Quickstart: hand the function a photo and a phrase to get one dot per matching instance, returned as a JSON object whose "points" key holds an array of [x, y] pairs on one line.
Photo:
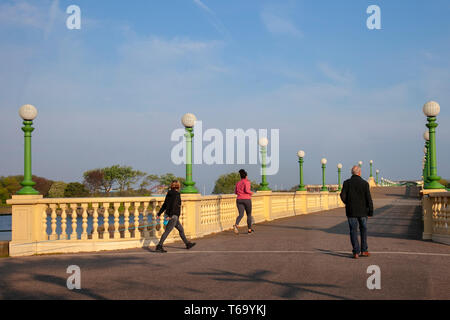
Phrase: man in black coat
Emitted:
{"points": [[358, 207]]}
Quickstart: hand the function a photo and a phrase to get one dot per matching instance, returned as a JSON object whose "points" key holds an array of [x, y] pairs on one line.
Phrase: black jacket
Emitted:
{"points": [[356, 196], [172, 204]]}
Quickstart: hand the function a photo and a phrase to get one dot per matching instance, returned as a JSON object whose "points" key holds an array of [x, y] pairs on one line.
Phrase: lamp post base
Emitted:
{"points": [[189, 189], [27, 191], [433, 185]]}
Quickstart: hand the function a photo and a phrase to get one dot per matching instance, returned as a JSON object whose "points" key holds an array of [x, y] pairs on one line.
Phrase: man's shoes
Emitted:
{"points": [[355, 256], [365, 254], [190, 245], [159, 248], [250, 231], [236, 230]]}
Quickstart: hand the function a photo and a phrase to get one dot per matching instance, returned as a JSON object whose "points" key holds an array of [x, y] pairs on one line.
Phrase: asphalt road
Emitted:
{"points": [[303, 257]]}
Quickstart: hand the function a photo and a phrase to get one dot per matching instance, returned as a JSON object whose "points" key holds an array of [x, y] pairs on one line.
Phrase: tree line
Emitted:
{"points": [[109, 181]]}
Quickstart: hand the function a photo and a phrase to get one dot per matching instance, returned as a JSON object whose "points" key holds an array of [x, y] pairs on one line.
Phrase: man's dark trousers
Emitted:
{"points": [[353, 224]]}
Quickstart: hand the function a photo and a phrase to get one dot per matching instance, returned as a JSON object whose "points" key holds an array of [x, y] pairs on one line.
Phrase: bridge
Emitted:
{"points": [[295, 256]]}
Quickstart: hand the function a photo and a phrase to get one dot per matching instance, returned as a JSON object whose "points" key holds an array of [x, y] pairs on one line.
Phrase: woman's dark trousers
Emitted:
{"points": [[174, 222], [244, 205]]}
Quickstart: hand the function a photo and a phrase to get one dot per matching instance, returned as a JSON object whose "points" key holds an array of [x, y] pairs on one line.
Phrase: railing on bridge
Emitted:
{"points": [[41, 225], [436, 216]]}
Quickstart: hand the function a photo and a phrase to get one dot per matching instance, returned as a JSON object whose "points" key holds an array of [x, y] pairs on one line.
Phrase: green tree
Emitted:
{"points": [[94, 180], [226, 183], [110, 175], [166, 179], [9, 186], [149, 183], [153, 183], [57, 190], [126, 177], [75, 190], [42, 185]]}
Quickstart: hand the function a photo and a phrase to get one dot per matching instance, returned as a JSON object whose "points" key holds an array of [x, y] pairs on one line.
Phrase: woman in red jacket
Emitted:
{"points": [[243, 201]]}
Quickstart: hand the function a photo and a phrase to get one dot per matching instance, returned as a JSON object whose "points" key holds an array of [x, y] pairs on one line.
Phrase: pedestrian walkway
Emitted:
{"points": [[303, 257]]}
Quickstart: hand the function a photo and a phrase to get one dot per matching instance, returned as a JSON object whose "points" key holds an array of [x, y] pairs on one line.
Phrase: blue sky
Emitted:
{"points": [[114, 91]]}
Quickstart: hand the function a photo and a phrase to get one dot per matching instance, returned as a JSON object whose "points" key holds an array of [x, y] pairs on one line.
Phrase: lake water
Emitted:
{"points": [[5, 224]]}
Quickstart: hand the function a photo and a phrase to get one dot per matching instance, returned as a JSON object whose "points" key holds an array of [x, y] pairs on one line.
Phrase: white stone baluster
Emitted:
{"points": [[106, 222], [438, 212], [446, 216], [53, 235], [74, 235], [160, 225], [84, 235], [145, 220], [137, 233], [63, 235], [127, 220], [153, 219], [434, 213], [116, 220], [95, 221], [44, 223]]}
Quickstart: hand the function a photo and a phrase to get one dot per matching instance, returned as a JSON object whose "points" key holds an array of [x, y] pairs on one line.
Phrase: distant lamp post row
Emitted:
{"points": [[28, 113], [431, 181], [301, 187]]}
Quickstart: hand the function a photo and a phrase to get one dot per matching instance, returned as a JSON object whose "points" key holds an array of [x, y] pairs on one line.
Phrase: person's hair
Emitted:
{"points": [[175, 185], [356, 170], [243, 173]]}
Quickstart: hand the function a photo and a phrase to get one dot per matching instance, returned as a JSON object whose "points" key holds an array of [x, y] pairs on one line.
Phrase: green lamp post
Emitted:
{"points": [[28, 113], [324, 165], [188, 121], [339, 166], [301, 155], [431, 109], [371, 164], [263, 142], [426, 151], [377, 172], [426, 167]]}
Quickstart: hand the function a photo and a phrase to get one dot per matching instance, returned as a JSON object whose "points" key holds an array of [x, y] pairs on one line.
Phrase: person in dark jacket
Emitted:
{"points": [[358, 207], [172, 207]]}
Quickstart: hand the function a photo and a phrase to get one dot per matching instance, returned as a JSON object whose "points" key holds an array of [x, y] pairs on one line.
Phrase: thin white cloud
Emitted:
{"points": [[203, 6], [46, 17], [278, 24], [335, 75], [22, 13], [213, 19]]}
